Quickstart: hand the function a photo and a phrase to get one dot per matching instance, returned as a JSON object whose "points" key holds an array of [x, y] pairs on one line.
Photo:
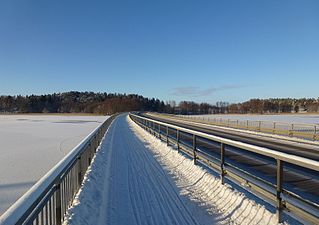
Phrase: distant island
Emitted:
{"points": [[110, 103]]}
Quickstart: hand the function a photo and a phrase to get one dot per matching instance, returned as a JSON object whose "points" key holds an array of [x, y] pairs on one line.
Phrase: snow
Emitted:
{"points": [[139, 180], [286, 118], [30, 145]]}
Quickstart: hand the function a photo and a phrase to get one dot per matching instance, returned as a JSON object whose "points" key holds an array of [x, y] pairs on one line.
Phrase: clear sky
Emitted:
{"points": [[184, 50]]}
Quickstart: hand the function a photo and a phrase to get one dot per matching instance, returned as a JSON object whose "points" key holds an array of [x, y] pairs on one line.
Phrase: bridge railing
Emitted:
{"points": [[280, 197], [298, 130], [48, 200]]}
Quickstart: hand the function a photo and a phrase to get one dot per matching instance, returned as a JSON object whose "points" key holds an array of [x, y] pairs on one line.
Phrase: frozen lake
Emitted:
{"points": [[30, 145], [287, 118]]}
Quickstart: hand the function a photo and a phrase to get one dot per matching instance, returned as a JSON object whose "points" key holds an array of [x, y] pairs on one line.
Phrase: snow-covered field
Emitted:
{"points": [[140, 180], [287, 118], [30, 145]]}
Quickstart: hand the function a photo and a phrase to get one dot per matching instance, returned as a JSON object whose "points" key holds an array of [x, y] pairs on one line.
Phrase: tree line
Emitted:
{"points": [[79, 102], [258, 106], [276, 105], [110, 103]]}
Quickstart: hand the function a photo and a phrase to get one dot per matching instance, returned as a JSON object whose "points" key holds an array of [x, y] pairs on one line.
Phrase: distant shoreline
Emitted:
{"points": [[52, 114], [256, 114]]}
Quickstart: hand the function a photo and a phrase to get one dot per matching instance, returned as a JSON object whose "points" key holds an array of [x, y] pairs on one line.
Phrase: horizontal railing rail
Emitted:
{"points": [[283, 199], [48, 200], [297, 130]]}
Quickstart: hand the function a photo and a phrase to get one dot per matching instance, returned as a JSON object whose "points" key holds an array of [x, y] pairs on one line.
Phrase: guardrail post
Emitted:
{"points": [[247, 125], [259, 126], [194, 148], [159, 131], [222, 162], [89, 151], [280, 172], [150, 127], [58, 210], [79, 172], [154, 128], [274, 128], [291, 131], [167, 141], [177, 139], [315, 134]]}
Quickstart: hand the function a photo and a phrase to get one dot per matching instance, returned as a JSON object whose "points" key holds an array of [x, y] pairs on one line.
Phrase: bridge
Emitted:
{"points": [[126, 176]]}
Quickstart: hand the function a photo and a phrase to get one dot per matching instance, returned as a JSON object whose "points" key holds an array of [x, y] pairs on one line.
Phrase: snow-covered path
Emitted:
{"points": [[136, 188], [137, 179]]}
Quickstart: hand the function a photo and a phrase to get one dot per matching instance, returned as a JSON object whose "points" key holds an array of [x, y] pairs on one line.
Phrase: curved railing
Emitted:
{"points": [[48, 200]]}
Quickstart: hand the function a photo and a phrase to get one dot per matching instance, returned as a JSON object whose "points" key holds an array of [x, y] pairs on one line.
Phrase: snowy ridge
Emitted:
{"points": [[94, 184], [199, 185]]}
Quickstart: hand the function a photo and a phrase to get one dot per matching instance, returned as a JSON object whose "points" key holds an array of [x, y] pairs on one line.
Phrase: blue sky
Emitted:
{"points": [[182, 50]]}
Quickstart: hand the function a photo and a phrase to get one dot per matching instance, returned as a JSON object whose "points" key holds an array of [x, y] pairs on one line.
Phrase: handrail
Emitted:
{"points": [[277, 194], [50, 197]]}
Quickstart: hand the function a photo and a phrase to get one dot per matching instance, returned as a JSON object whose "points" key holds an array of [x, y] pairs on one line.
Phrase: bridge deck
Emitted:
{"points": [[136, 179]]}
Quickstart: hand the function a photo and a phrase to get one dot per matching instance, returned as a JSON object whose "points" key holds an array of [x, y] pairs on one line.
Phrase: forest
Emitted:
{"points": [[79, 102], [256, 106], [109, 103]]}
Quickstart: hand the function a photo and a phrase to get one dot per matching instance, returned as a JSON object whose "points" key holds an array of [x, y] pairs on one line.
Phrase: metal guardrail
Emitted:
{"points": [[48, 200], [299, 130], [284, 200]]}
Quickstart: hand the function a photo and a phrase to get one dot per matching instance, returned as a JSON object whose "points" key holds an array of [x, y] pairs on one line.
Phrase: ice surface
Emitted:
{"points": [[30, 145]]}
